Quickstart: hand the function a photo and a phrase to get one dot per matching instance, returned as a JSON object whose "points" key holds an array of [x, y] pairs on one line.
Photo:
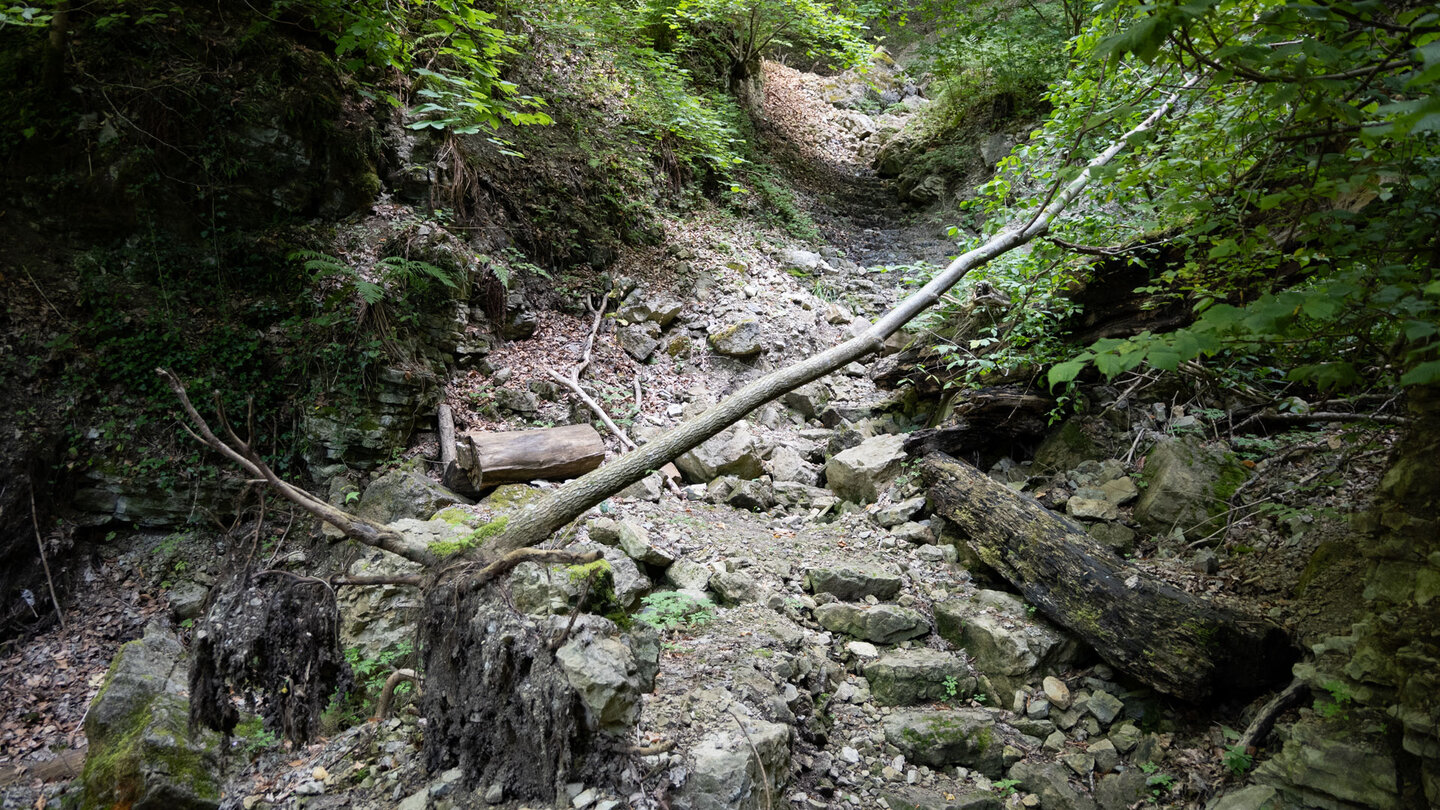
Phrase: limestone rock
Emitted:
{"points": [[635, 541], [1188, 485], [379, 618], [1048, 780], [916, 534], [1317, 768], [898, 513], [726, 774], [734, 587], [625, 576], [914, 798], [881, 624], [142, 752], [602, 670], [1253, 797], [786, 464], [1122, 791], [960, 737], [637, 342], [405, 494], [687, 574], [809, 399], [641, 307], [1056, 692], [741, 340], [911, 677], [732, 452], [753, 495], [852, 583], [859, 473], [1091, 508], [1066, 448], [517, 401], [1008, 646]]}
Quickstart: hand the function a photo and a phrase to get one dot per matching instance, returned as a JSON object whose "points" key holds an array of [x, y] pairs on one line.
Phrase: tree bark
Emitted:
{"points": [[570, 501], [488, 459], [1178, 643]]}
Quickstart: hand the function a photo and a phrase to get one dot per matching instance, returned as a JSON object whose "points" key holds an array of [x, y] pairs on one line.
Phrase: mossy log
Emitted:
{"points": [[1176, 642]]}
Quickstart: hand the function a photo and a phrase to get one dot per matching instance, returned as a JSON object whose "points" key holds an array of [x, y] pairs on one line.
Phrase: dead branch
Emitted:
{"points": [[356, 528], [399, 676], [50, 581], [573, 381], [1260, 727], [544, 556]]}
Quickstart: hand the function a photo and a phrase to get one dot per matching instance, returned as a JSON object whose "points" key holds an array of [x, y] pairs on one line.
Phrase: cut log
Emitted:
{"points": [[450, 472], [1178, 643], [525, 455]]}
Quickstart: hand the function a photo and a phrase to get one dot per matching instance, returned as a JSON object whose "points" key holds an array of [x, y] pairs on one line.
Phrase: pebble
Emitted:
{"points": [[850, 755]]}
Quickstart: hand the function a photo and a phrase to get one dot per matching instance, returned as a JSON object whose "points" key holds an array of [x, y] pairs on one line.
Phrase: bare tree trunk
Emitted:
{"points": [[542, 519], [54, 65]]}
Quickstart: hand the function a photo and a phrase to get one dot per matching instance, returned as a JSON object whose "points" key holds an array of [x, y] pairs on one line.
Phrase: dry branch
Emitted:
{"points": [[356, 528]]}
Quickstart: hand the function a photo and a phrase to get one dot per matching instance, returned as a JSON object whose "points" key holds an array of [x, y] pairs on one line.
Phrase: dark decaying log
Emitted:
{"points": [[1005, 420], [1178, 643], [525, 455]]}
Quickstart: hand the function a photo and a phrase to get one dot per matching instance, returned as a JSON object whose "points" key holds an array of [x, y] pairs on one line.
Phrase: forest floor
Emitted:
{"points": [[1307, 484]]}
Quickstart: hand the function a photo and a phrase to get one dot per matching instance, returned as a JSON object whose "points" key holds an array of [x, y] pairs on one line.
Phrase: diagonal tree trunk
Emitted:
{"points": [[547, 516]]}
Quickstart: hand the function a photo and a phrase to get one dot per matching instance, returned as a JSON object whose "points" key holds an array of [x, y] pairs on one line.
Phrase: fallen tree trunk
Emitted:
{"points": [[537, 523], [488, 458], [1178, 643]]}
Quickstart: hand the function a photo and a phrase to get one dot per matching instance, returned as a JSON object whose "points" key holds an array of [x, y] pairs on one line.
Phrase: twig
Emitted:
{"points": [[382, 706], [764, 777], [559, 641], [45, 297], [1260, 727], [539, 555], [594, 406], [50, 581]]}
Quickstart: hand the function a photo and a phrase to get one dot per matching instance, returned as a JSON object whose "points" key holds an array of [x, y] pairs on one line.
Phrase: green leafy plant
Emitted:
{"points": [[352, 707], [1237, 760], [252, 738], [1338, 700], [672, 610], [952, 685], [1006, 786]]}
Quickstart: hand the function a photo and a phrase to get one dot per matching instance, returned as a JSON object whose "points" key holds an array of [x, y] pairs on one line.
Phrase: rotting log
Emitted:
{"points": [[1176, 642], [488, 459]]}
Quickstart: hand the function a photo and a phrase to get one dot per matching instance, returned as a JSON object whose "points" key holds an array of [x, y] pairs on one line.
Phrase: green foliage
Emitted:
{"points": [[450, 49], [1337, 702], [354, 707], [670, 610], [1237, 760], [744, 30], [473, 540], [1006, 786], [253, 738]]}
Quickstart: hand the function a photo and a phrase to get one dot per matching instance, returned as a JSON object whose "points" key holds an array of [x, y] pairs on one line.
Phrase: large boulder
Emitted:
{"points": [[380, 618], [1008, 646], [852, 583], [727, 773], [143, 753], [1324, 764], [1051, 782], [405, 494], [1188, 485], [881, 624], [858, 474], [742, 340], [601, 668], [732, 452], [911, 677], [944, 739]]}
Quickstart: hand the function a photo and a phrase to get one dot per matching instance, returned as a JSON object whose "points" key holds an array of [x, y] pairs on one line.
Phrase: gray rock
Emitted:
{"points": [[142, 751], [852, 583], [735, 587], [640, 307], [1206, 562], [910, 677], [1254, 797], [1049, 781], [495, 794], [786, 464], [726, 773], [1010, 648], [1317, 768], [1125, 737], [754, 495], [602, 670], [1066, 448], [732, 452], [1122, 791], [517, 401], [650, 488], [637, 342], [1105, 706], [1188, 485], [809, 399], [687, 574], [799, 260], [1091, 509], [916, 534], [405, 494], [936, 554], [537, 590], [187, 600], [943, 739], [741, 340], [898, 513], [604, 531], [914, 798], [625, 576], [1106, 757], [881, 624], [859, 473], [1119, 539], [379, 618], [635, 541], [1081, 764]]}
